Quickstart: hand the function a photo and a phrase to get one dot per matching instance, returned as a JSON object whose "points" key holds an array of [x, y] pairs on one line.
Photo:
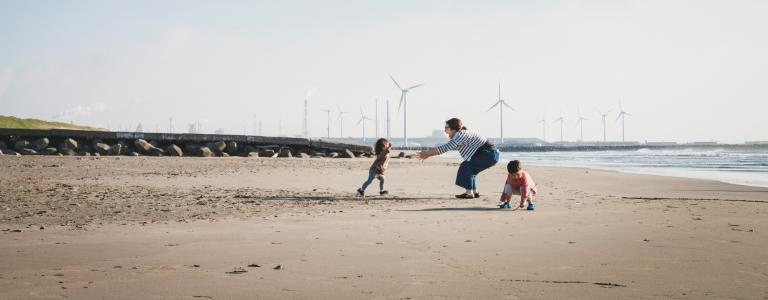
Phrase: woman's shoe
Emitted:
{"points": [[360, 193], [384, 193], [465, 196], [477, 195]]}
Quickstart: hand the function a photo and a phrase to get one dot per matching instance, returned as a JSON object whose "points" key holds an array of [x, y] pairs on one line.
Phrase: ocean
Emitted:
{"points": [[738, 166]]}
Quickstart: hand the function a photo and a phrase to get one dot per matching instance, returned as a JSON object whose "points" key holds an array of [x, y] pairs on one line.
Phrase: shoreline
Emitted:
{"points": [[720, 175]]}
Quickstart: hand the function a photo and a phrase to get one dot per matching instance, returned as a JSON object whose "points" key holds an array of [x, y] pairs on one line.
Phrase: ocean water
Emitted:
{"points": [[743, 167]]}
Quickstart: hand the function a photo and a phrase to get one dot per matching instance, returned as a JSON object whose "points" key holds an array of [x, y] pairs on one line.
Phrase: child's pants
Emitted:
{"points": [[373, 173], [516, 191]]}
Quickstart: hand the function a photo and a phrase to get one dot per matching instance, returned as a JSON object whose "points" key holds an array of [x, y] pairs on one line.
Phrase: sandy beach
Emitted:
{"points": [[187, 228]]}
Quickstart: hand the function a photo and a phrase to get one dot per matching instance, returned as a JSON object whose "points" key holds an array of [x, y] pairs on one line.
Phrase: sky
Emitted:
{"points": [[686, 71]]}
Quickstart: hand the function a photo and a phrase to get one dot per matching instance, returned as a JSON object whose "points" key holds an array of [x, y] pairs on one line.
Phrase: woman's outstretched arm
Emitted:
{"points": [[428, 153]]}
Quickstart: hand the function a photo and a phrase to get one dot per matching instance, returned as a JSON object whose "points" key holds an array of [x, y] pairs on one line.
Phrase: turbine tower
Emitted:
{"points": [[580, 123], [404, 105], [543, 122], [501, 104], [603, 116], [389, 138], [328, 127], [304, 125], [341, 123], [622, 113], [376, 111], [362, 120], [560, 119]]}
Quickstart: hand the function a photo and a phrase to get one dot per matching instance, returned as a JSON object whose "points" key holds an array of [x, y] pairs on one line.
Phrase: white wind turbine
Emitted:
{"points": [[501, 104], [362, 120], [376, 117], [561, 120], [305, 123], [404, 105], [341, 123], [328, 127], [580, 123], [603, 115], [543, 123], [622, 113]]}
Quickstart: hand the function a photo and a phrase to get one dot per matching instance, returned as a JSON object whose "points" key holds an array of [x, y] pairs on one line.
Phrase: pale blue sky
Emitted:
{"points": [[686, 70]]}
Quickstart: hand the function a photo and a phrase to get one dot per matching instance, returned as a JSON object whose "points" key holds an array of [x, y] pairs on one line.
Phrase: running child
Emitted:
{"points": [[378, 167]]}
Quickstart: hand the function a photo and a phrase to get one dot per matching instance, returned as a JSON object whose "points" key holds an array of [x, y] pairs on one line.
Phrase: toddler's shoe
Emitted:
{"points": [[360, 193], [384, 193], [531, 206], [505, 205]]}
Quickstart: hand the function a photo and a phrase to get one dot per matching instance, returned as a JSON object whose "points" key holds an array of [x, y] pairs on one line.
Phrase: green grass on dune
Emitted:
{"points": [[13, 122]]}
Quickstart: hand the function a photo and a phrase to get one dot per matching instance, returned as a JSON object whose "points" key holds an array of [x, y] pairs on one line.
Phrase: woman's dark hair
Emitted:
{"points": [[380, 143], [513, 166], [455, 124]]}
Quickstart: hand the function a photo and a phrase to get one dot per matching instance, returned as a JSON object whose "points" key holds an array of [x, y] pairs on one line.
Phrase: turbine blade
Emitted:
{"points": [[402, 96], [415, 86], [395, 81], [494, 105], [618, 117], [499, 89], [507, 105]]}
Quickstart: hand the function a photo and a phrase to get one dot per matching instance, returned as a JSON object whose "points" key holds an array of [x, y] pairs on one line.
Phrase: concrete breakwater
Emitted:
{"points": [[87, 143]]}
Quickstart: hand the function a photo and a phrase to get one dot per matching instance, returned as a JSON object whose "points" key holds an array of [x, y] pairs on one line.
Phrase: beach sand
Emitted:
{"points": [[145, 228]]}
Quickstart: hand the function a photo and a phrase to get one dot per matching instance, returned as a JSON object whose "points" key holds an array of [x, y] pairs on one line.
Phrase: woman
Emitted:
{"points": [[477, 152]]}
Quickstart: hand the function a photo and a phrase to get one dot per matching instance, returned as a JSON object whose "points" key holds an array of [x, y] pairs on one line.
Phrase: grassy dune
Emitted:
{"points": [[13, 122]]}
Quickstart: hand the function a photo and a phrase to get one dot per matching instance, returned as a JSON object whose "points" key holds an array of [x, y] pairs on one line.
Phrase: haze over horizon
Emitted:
{"points": [[686, 70]]}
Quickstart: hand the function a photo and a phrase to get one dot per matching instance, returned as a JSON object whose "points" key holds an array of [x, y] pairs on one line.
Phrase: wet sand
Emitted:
{"points": [[138, 228]]}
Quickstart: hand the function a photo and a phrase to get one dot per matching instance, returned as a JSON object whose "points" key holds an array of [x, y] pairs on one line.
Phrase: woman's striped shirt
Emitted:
{"points": [[466, 142]]}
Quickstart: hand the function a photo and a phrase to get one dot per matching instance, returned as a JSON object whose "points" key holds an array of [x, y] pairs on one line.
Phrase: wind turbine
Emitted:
{"points": [[622, 113], [404, 105], [543, 122], [580, 123], [363, 118], [328, 128], [305, 125], [603, 115], [560, 119], [376, 112], [501, 103], [341, 122], [389, 138]]}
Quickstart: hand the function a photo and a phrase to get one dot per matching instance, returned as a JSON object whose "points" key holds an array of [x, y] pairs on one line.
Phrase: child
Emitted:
{"points": [[518, 183], [378, 167]]}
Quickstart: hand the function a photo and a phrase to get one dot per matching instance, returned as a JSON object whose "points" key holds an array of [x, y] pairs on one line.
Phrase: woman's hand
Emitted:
{"points": [[426, 154]]}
